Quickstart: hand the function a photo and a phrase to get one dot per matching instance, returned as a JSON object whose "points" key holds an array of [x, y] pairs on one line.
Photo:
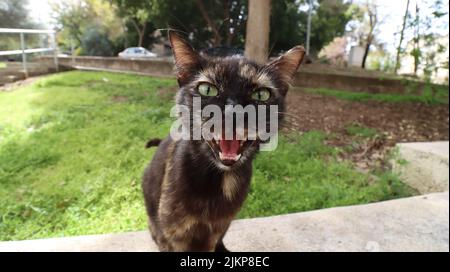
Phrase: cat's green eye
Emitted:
{"points": [[261, 95], [207, 89]]}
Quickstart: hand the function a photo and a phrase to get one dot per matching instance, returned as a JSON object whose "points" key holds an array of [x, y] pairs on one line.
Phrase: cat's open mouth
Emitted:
{"points": [[229, 151]]}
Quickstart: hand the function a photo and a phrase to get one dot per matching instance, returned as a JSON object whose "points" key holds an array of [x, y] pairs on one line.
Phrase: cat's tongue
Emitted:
{"points": [[229, 150]]}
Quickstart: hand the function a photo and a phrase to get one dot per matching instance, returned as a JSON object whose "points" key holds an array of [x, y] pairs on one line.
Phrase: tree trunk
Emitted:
{"points": [[372, 23], [258, 28], [140, 32], [366, 52], [399, 48], [416, 41], [141, 35], [308, 27]]}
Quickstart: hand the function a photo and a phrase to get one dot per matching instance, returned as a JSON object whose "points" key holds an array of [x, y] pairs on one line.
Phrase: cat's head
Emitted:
{"points": [[232, 80]]}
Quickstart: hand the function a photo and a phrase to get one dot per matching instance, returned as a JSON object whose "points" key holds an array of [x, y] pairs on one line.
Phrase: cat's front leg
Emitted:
{"points": [[221, 227], [220, 247], [197, 239]]}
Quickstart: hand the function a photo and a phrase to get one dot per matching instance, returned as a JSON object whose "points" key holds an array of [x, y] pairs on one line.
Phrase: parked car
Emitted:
{"points": [[136, 52]]}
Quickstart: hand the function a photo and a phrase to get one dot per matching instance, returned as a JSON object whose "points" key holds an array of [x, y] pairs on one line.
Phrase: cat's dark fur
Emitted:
{"points": [[191, 196]]}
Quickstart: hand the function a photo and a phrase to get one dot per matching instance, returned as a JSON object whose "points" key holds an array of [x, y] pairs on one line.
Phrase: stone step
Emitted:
{"points": [[411, 224], [424, 166]]}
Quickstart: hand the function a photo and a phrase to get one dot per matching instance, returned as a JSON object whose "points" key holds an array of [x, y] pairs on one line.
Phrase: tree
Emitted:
{"points": [[14, 14], [209, 21], [430, 47], [288, 25], [205, 23], [137, 13], [222, 22], [335, 52], [416, 50], [95, 42], [402, 33], [78, 17], [223, 18], [373, 19], [258, 28], [426, 44], [328, 21], [72, 18], [363, 30]]}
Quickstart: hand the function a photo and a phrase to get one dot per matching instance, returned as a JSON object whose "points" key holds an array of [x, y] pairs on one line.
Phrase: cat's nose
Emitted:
{"points": [[231, 101], [229, 107]]}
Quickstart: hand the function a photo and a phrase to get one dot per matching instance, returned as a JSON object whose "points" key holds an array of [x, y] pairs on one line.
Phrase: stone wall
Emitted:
{"points": [[156, 67], [309, 75]]}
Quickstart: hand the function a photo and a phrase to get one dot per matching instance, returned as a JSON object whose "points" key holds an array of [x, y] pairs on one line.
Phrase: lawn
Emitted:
{"points": [[429, 96], [72, 155]]}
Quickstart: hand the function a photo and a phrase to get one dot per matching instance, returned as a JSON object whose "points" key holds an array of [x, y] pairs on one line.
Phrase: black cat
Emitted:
{"points": [[194, 188]]}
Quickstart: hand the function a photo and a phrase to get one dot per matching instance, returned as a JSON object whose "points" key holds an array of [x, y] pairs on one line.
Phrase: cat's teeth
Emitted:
{"points": [[236, 158]]}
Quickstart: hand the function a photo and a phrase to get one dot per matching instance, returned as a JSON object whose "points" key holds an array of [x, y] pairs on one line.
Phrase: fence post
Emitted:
{"points": [[24, 55], [55, 51], [72, 52], [308, 31]]}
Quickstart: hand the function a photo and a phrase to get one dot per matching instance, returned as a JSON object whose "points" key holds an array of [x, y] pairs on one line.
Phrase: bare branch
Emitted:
{"points": [[217, 36]]}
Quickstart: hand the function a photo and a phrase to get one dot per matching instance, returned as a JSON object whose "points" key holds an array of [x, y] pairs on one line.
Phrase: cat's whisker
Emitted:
{"points": [[212, 149], [289, 123], [297, 116], [288, 115]]}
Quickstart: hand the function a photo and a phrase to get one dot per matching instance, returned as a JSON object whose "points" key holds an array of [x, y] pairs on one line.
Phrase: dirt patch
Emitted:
{"points": [[14, 85], [393, 122]]}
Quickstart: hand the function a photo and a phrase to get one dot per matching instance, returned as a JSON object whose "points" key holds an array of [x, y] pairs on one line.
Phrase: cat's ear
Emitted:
{"points": [[286, 66], [187, 61]]}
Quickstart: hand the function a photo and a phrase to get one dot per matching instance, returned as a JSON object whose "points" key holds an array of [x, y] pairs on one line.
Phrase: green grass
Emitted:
{"points": [[2, 65], [72, 155], [361, 131], [303, 175], [439, 97]]}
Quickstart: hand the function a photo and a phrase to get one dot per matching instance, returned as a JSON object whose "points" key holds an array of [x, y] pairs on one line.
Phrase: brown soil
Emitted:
{"points": [[394, 122], [14, 85]]}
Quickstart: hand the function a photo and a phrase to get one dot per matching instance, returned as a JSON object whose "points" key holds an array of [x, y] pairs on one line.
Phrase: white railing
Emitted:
{"points": [[24, 51]]}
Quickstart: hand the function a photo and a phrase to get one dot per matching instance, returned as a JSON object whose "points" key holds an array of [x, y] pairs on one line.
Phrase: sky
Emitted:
{"points": [[392, 11], [40, 11]]}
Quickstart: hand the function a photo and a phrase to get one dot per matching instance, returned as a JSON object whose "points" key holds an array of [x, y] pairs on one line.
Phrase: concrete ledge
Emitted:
{"points": [[411, 224], [309, 76], [14, 71], [425, 166]]}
